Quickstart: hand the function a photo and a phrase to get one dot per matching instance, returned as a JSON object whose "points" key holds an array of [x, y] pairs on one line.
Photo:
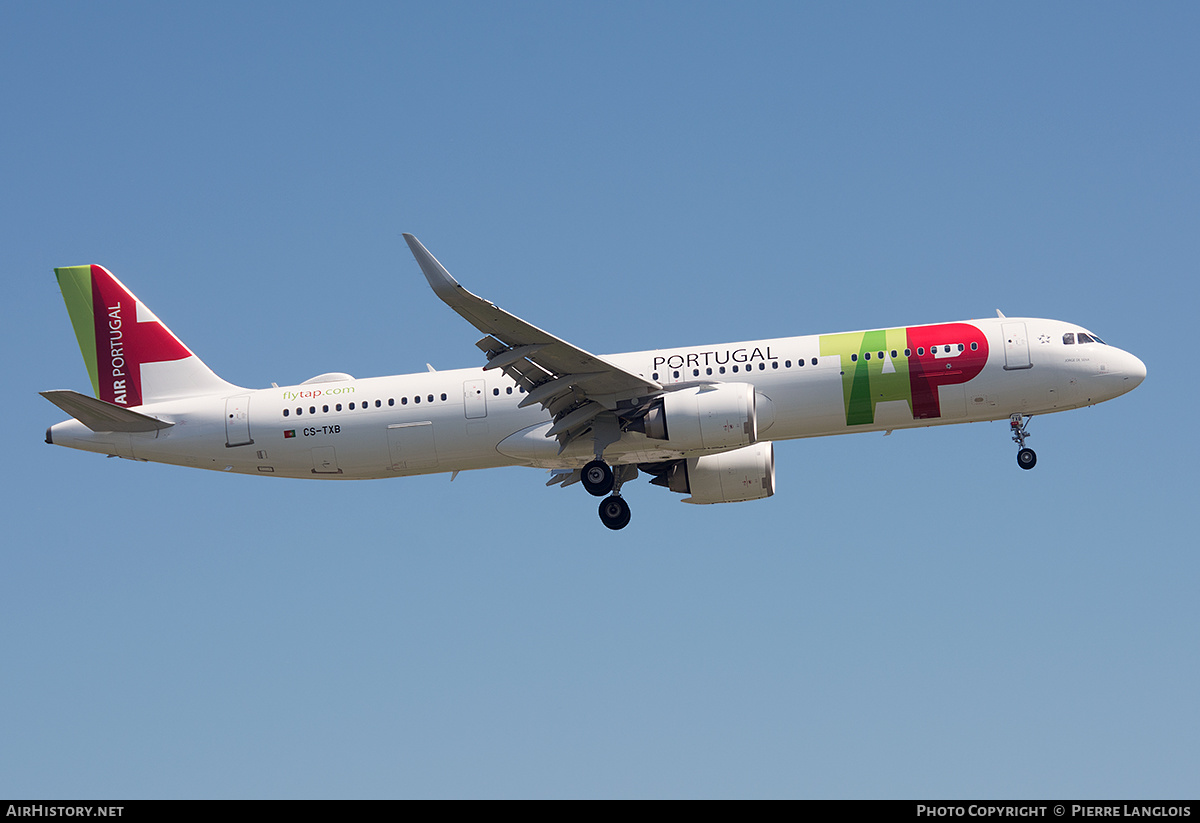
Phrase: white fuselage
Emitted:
{"points": [[469, 418]]}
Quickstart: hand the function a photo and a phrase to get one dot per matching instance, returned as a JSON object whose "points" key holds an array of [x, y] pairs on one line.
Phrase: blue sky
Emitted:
{"points": [[909, 617]]}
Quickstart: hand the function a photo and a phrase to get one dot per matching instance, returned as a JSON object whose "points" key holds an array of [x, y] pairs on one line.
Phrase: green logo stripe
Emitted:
{"points": [[75, 282], [867, 379]]}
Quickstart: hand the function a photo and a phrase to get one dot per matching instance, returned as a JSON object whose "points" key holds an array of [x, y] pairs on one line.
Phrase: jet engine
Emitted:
{"points": [[729, 477], [703, 418]]}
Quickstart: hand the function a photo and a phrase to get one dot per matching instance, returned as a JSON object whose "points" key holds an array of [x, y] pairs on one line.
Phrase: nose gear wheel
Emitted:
{"points": [[1019, 423]]}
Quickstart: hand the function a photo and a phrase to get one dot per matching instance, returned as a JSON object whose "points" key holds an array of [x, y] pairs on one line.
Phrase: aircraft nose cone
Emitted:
{"points": [[1136, 371]]}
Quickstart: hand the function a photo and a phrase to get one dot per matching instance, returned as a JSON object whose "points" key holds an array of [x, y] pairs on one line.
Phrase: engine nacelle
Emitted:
{"points": [[730, 477], [704, 418]]}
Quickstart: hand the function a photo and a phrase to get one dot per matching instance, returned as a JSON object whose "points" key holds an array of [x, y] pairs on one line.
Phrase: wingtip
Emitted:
{"points": [[439, 279]]}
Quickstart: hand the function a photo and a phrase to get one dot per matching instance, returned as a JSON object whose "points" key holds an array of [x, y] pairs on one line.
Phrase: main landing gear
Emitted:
{"points": [[614, 512], [599, 479], [1026, 458]]}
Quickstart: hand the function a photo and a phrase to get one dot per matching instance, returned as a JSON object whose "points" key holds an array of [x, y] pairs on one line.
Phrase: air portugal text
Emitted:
{"points": [[116, 351]]}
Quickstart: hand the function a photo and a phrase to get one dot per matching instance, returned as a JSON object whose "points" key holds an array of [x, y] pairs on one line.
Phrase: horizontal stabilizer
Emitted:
{"points": [[102, 416]]}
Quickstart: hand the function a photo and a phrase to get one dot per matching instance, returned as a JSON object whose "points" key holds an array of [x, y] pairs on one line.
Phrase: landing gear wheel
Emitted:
{"points": [[1026, 459], [597, 478], [614, 512]]}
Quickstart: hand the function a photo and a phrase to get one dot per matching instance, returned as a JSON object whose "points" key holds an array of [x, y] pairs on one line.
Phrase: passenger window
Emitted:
{"points": [[655, 375], [947, 349], [417, 399], [787, 364], [443, 396], [960, 347], [774, 364], [325, 409], [893, 352], [695, 372], [814, 361], [430, 398], [854, 358], [908, 352], [708, 370], [338, 407], [799, 362], [506, 391], [762, 366], [866, 356], [974, 347], [403, 401], [496, 392], [285, 412], [312, 409], [920, 351], [881, 355], [722, 370], [391, 401], [351, 407]]}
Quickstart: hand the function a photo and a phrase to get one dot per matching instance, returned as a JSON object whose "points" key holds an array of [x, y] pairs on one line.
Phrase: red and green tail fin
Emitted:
{"points": [[132, 358]]}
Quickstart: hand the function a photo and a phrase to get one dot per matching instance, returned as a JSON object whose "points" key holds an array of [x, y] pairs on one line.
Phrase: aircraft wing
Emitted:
{"points": [[574, 385]]}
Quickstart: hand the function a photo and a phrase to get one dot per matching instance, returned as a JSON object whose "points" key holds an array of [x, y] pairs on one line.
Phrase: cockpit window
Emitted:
{"points": [[1069, 338], [1083, 338], [1098, 340]]}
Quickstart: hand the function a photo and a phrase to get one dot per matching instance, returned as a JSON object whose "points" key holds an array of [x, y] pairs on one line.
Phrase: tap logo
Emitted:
{"points": [[908, 364]]}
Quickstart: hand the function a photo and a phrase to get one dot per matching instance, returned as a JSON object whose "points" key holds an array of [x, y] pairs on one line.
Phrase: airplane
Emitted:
{"points": [[701, 420]]}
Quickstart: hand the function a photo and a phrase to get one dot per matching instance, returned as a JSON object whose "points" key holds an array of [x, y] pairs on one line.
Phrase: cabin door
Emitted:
{"points": [[237, 421], [474, 399], [1016, 346]]}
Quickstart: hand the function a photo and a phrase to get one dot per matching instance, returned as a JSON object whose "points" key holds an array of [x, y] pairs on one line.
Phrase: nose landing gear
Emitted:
{"points": [[1026, 458]]}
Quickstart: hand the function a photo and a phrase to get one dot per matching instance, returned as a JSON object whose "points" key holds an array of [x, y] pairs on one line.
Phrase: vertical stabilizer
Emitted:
{"points": [[132, 358]]}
